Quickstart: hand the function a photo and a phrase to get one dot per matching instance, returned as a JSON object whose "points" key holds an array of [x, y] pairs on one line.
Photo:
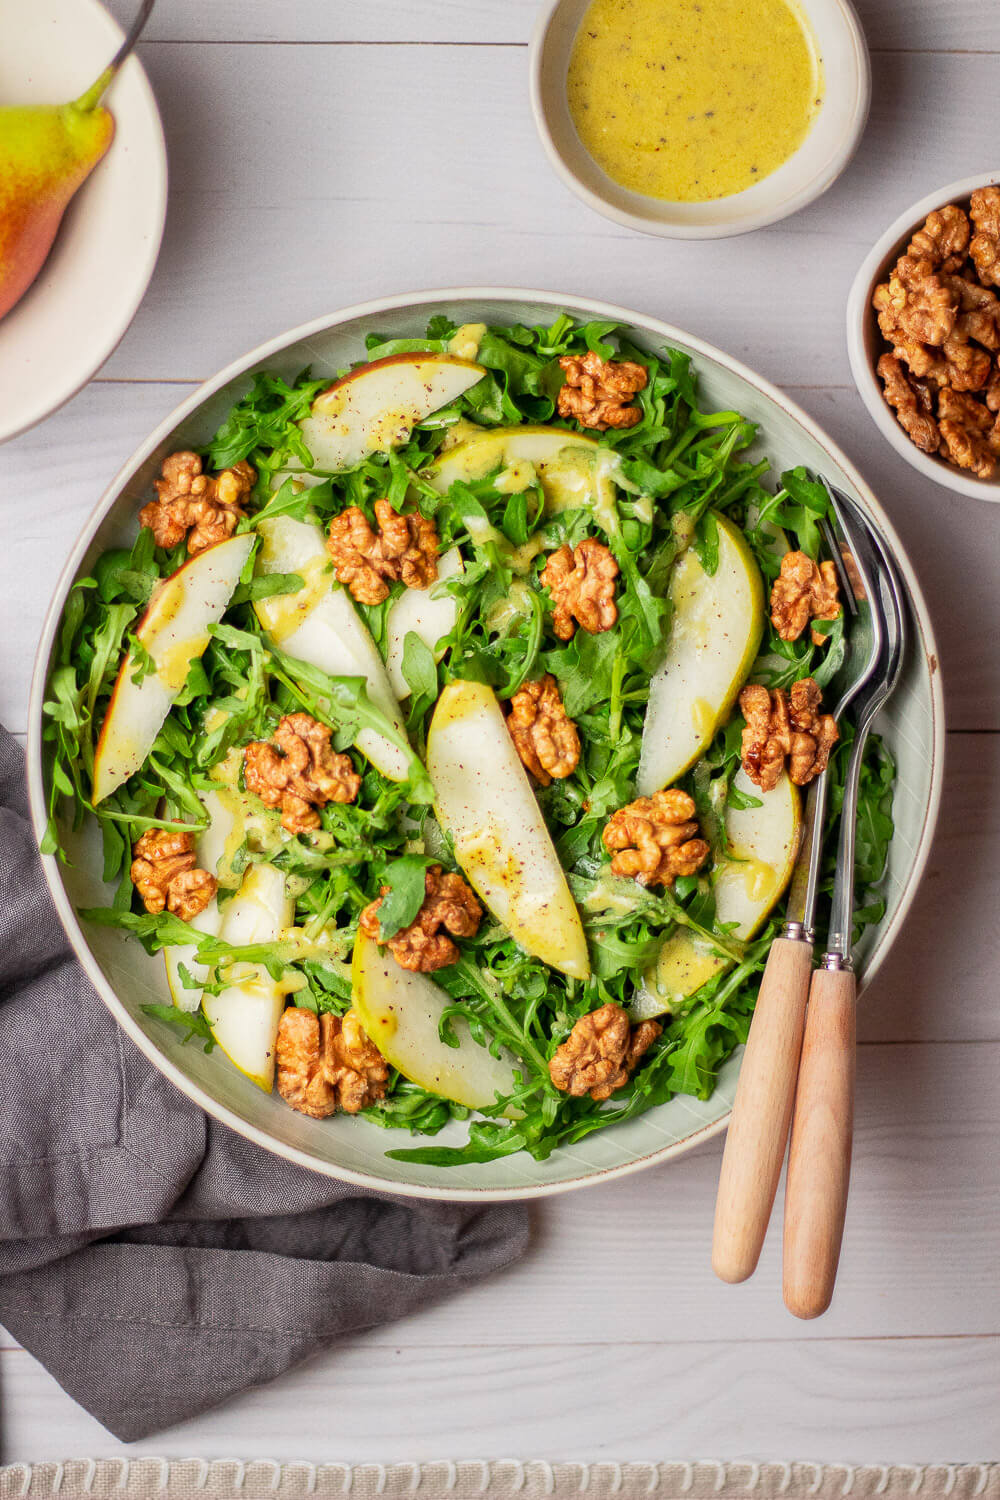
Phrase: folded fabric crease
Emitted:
{"points": [[156, 1262]]}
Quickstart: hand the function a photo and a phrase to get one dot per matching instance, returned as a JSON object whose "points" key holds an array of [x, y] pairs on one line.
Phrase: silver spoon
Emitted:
{"points": [[819, 1163], [762, 1110]]}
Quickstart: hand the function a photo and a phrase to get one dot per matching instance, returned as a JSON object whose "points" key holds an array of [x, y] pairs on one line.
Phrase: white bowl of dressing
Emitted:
{"points": [[843, 72]]}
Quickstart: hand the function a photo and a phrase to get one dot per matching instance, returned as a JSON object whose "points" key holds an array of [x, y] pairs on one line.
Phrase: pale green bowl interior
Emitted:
{"points": [[128, 978]]}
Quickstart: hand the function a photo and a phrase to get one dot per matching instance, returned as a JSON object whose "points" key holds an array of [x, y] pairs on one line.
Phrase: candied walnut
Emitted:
{"points": [[915, 306], [582, 584], [992, 393], [964, 366], [353, 1063], [912, 403], [784, 727], [597, 391], [190, 892], [544, 735], [601, 1053], [970, 434], [193, 504], [404, 548], [944, 238], [803, 591], [978, 312], [165, 873], [299, 772], [904, 347], [449, 903], [327, 1063], [984, 247], [655, 838]]}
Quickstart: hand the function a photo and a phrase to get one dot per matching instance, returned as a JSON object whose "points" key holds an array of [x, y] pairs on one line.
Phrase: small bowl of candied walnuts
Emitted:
{"points": [[923, 331]]}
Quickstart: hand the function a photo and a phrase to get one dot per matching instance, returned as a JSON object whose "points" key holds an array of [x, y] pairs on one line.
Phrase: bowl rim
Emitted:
{"points": [[158, 176], [370, 309], [815, 188], [859, 312]]}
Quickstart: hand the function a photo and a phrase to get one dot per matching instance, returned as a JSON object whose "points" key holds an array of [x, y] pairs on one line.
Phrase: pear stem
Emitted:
{"points": [[94, 94]]}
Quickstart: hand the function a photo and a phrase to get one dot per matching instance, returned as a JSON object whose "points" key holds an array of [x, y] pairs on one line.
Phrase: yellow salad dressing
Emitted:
{"points": [[693, 99]]}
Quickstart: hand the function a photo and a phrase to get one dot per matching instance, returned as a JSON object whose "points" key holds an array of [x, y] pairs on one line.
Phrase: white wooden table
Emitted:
{"points": [[322, 152]]}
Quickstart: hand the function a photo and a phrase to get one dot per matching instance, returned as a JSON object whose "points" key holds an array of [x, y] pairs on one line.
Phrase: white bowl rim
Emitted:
{"points": [[36, 787], [119, 326], [858, 313], [725, 229]]}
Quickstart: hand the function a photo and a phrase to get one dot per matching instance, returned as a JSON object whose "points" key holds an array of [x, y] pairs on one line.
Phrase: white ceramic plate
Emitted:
{"points": [[127, 978], [865, 343], [808, 172], [86, 295]]}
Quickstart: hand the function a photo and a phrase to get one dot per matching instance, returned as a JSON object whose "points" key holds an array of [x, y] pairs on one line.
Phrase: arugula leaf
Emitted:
{"points": [[421, 673], [192, 1023], [407, 888], [268, 586], [266, 418]]}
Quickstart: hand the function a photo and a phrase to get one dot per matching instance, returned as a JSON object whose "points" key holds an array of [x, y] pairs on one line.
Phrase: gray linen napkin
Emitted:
{"points": [[153, 1260]]}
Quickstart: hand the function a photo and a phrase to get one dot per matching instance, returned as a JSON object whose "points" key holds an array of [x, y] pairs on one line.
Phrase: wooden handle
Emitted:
{"points": [[819, 1163], [758, 1130]]}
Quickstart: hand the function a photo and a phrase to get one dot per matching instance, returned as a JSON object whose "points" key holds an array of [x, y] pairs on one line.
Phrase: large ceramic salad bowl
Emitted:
{"points": [[129, 979]]}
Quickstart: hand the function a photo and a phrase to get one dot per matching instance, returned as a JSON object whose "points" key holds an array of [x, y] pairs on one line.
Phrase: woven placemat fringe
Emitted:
{"points": [[503, 1479]]}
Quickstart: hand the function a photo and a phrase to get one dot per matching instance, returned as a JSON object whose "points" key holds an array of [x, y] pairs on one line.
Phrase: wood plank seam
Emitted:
{"points": [[176, 41]]}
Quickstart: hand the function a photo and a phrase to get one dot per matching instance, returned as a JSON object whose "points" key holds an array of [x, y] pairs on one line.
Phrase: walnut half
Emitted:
{"points": [[449, 903], [601, 1053], [984, 246], [943, 239], [193, 504], [597, 392], [165, 873], [299, 771], [544, 735], [803, 591], [655, 838], [582, 585], [404, 548], [911, 401], [784, 727], [970, 434], [327, 1063]]}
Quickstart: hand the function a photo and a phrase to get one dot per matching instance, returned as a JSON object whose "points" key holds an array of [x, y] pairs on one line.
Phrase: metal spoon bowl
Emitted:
{"points": [[878, 684], [850, 548]]}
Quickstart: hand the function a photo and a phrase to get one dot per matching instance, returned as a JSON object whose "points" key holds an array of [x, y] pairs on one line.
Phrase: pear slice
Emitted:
{"points": [[210, 847], [376, 406], [763, 846], [574, 471], [244, 1017], [718, 621], [429, 615], [401, 1011], [484, 800], [320, 625], [174, 631]]}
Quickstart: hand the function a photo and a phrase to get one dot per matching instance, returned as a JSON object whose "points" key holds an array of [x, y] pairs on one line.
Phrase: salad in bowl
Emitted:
{"points": [[446, 725]]}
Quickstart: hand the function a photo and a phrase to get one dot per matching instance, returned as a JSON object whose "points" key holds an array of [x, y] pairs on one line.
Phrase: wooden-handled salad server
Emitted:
{"points": [[819, 1161], [762, 1111]]}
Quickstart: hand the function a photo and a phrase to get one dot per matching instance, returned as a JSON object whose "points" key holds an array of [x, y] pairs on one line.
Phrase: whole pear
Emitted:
{"points": [[46, 152]]}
